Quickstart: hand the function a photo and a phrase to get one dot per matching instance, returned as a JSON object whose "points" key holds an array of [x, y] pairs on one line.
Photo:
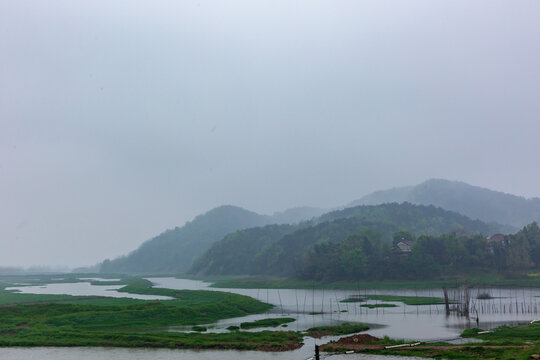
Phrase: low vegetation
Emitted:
{"points": [[487, 278], [353, 299], [199, 328], [505, 343], [271, 322], [408, 300], [341, 329], [374, 306], [58, 320]]}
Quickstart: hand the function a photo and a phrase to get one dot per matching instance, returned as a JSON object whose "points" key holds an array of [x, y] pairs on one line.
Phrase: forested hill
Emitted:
{"points": [[362, 256], [175, 250], [238, 253], [472, 201], [274, 255]]}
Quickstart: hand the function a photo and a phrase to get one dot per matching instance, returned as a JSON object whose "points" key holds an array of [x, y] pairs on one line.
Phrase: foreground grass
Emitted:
{"points": [[124, 322], [470, 352], [189, 308], [502, 343], [507, 335], [264, 340], [9, 298]]}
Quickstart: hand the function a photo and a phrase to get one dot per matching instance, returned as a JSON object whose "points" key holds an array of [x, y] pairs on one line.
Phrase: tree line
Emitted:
{"points": [[364, 256]]}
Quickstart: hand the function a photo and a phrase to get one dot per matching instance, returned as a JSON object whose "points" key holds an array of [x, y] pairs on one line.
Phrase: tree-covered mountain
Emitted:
{"points": [[472, 201], [175, 250], [238, 253], [271, 255]]}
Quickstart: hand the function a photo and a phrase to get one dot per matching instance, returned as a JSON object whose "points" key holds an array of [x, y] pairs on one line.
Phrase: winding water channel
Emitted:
{"points": [[309, 308]]}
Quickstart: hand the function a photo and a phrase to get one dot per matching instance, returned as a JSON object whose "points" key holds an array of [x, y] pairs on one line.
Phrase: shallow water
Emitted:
{"points": [[427, 322], [83, 289], [81, 353]]}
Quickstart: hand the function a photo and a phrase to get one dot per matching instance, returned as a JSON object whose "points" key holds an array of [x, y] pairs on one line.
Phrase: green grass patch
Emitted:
{"points": [[12, 297], [507, 334], [489, 279], [505, 342], [131, 281], [342, 329], [408, 300], [264, 340], [374, 306], [199, 328], [272, 322], [135, 323], [353, 299]]}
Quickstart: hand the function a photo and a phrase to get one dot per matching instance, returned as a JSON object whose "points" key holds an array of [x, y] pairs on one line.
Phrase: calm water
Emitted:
{"points": [[426, 323], [408, 322], [84, 289], [164, 354]]}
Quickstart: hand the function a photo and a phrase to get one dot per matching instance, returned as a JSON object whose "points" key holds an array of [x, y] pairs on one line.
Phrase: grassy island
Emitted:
{"points": [[62, 320], [341, 329]]}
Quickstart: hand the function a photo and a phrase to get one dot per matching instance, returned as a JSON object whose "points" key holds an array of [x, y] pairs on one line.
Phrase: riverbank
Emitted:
{"points": [[505, 342], [490, 279], [32, 320]]}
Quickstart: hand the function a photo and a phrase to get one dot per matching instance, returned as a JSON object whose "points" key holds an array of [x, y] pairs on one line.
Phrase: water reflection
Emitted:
{"points": [[78, 353]]}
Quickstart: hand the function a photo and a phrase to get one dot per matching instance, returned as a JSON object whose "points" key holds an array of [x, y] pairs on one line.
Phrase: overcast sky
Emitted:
{"points": [[120, 119]]}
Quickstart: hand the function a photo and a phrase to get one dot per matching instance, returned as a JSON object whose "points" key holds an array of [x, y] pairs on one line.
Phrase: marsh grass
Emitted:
{"points": [[484, 279], [133, 323], [374, 306], [341, 329], [408, 300], [271, 322], [505, 343]]}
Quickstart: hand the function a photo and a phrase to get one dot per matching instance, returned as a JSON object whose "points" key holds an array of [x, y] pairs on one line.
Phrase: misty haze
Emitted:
{"points": [[269, 179]]}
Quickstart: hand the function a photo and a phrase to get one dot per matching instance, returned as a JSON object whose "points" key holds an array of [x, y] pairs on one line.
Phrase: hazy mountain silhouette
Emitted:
{"points": [[472, 201], [175, 249]]}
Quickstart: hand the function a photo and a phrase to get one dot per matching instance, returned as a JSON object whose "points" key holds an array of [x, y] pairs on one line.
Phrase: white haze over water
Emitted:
{"points": [[121, 119]]}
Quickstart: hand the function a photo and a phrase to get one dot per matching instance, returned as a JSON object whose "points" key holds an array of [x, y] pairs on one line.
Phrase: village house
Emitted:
{"points": [[405, 246], [493, 240]]}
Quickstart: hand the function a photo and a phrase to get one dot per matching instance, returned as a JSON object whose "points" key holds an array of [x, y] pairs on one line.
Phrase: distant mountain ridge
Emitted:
{"points": [[174, 250], [473, 201]]}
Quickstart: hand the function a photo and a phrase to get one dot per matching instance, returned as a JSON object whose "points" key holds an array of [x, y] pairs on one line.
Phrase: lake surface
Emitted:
{"points": [[55, 353], [426, 323], [84, 289]]}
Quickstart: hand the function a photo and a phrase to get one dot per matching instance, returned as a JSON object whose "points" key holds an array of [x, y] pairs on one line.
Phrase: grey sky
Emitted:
{"points": [[119, 119]]}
